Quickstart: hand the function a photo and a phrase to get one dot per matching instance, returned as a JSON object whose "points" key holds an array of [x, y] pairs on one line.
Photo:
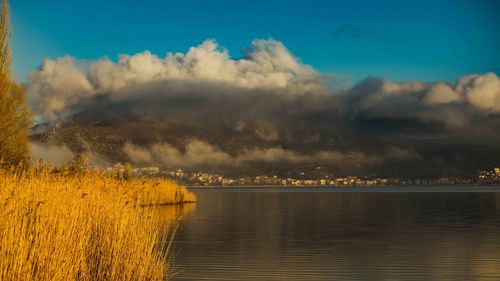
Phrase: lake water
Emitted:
{"points": [[340, 234]]}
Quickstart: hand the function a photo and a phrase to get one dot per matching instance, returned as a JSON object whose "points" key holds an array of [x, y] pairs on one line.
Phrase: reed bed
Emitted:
{"points": [[83, 227]]}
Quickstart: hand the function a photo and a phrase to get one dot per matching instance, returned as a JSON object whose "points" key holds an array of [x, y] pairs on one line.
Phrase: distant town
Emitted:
{"points": [[207, 179]]}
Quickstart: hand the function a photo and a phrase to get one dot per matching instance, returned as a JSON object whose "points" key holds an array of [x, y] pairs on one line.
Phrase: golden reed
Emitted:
{"points": [[83, 227]]}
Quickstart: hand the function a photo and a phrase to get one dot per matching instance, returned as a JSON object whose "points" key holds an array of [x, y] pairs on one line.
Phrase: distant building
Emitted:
{"points": [[491, 176]]}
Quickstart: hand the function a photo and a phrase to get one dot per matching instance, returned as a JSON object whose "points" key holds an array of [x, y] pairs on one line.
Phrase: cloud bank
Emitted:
{"points": [[481, 92], [472, 102], [62, 84], [198, 153]]}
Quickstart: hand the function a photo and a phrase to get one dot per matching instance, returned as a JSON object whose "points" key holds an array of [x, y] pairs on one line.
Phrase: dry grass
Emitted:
{"points": [[83, 227], [154, 192]]}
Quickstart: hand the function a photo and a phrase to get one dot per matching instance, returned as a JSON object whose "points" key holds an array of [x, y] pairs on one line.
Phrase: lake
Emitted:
{"points": [[433, 233]]}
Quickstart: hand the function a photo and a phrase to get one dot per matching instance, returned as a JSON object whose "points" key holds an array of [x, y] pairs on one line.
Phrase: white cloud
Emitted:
{"points": [[60, 84], [57, 86], [482, 91], [441, 93]]}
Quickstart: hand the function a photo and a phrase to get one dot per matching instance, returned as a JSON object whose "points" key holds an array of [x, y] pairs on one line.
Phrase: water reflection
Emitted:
{"points": [[168, 215], [280, 235]]}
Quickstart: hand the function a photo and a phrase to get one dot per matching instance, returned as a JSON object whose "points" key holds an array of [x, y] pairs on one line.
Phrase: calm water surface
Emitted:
{"points": [[325, 234]]}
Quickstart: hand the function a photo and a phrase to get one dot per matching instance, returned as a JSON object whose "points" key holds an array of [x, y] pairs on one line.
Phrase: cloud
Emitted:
{"points": [[464, 104], [441, 93], [198, 153], [65, 85], [52, 154], [481, 91], [60, 85], [278, 154], [58, 155]]}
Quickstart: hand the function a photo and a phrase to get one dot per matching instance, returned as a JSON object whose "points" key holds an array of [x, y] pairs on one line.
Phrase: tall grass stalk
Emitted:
{"points": [[82, 227]]}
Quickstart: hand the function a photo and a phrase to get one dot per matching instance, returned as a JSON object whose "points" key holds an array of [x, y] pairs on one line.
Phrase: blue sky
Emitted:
{"points": [[399, 40]]}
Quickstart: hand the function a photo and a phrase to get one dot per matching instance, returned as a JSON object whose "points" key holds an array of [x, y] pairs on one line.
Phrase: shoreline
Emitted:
{"points": [[167, 204], [385, 188]]}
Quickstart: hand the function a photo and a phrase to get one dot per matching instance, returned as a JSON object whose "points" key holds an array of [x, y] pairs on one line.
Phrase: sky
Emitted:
{"points": [[398, 40]]}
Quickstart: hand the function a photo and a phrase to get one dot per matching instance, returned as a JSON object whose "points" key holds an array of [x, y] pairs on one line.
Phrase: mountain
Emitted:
{"points": [[313, 143]]}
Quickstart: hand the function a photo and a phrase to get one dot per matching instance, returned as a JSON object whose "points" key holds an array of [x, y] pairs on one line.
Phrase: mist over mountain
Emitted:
{"points": [[264, 113]]}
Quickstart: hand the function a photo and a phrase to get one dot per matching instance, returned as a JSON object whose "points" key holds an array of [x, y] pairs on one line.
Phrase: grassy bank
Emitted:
{"points": [[82, 227]]}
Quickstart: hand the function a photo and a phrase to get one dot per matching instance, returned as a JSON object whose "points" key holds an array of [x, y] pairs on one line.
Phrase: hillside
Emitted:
{"points": [[357, 152]]}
